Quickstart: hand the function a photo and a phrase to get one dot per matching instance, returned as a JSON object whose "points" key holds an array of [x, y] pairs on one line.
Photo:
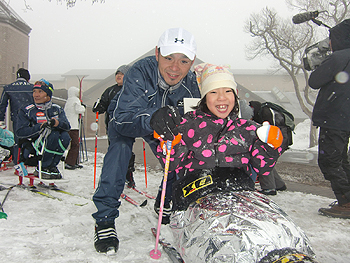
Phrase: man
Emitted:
{"points": [[19, 93], [101, 107], [272, 182], [151, 84], [332, 114], [33, 120]]}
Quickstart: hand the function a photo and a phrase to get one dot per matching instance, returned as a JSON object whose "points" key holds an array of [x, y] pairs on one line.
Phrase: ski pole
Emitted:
{"points": [[2, 213], [155, 253], [95, 149], [144, 161], [80, 141], [84, 142]]}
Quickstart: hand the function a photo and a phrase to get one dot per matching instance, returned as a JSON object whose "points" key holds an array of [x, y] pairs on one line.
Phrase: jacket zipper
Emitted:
{"points": [[217, 161]]}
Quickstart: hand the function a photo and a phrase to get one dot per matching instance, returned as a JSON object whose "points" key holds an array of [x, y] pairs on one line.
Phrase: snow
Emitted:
{"points": [[39, 229]]}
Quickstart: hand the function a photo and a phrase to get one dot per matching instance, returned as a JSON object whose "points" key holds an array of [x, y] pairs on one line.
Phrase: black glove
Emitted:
{"points": [[164, 122], [95, 107], [49, 124]]}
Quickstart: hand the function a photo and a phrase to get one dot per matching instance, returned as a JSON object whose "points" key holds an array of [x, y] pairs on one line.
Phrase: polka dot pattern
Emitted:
{"points": [[208, 141]]}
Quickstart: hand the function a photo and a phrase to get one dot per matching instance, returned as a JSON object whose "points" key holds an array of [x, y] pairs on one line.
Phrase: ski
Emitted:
{"points": [[55, 188], [33, 189], [142, 192], [172, 253], [132, 201]]}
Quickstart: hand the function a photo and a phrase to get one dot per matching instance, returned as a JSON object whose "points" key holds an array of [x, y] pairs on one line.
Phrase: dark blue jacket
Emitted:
{"points": [[20, 94], [30, 118], [140, 97]]}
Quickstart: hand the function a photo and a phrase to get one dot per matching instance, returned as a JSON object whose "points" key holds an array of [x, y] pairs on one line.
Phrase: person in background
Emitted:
{"points": [[101, 106], [18, 93], [150, 84], [33, 119], [7, 141], [273, 182], [73, 108], [331, 113]]}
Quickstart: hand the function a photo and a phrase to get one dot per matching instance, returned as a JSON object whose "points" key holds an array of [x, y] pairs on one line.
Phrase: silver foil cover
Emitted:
{"points": [[237, 227]]}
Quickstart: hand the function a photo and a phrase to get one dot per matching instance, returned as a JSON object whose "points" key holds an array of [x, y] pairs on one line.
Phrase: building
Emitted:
{"points": [[14, 44]]}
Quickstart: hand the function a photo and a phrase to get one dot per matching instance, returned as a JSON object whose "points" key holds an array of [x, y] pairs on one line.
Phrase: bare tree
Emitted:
{"points": [[69, 3], [285, 43]]}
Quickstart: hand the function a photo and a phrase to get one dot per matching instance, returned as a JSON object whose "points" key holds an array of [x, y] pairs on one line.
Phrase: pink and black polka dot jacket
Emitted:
{"points": [[208, 141]]}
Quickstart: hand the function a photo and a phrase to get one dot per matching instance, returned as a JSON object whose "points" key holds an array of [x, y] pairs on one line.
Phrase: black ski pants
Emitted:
{"points": [[333, 161]]}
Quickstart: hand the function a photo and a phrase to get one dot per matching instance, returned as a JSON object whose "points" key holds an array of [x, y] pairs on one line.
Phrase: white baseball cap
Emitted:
{"points": [[177, 40]]}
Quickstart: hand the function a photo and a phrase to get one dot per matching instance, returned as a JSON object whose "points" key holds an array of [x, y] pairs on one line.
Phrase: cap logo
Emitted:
{"points": [[177, 40]]}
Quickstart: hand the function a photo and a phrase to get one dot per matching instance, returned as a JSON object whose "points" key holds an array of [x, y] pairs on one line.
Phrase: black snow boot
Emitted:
{"points": [[106, 239], [130, 179], [268, 191], [166, 212]]}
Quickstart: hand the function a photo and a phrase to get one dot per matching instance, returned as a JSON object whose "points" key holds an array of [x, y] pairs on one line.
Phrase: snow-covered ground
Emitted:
{"points": [[39, 229]]}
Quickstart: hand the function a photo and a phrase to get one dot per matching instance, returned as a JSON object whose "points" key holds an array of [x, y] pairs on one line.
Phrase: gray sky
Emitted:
{"points": [[105, 36]]}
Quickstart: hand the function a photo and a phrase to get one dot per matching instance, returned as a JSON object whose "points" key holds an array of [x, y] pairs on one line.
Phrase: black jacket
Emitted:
{"points": [[106, 99], [332, 107]]}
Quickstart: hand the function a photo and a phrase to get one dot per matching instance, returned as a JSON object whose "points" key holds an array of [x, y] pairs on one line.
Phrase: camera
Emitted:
{"points": [[316, 54]]}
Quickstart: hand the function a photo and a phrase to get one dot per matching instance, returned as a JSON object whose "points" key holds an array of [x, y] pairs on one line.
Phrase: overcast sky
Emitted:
{"points": [[105, 36]]}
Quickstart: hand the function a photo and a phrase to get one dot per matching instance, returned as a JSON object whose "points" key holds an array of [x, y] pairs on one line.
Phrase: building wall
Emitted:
{"points": [[14, 52]]}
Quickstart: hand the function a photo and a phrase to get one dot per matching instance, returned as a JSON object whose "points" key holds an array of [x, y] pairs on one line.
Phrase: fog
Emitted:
{"points": [[106, 35]]}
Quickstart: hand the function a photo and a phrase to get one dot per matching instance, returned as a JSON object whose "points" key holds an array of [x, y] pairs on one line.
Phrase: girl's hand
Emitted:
{"points": [[270, 134]]}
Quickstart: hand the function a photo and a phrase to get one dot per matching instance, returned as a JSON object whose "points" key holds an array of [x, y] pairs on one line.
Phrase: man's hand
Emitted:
{"points": [[164, 122], [51, 123]]}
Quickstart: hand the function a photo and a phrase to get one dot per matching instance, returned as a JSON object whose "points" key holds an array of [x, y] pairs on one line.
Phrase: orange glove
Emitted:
{"points": [[176, 140], [270, 134]]}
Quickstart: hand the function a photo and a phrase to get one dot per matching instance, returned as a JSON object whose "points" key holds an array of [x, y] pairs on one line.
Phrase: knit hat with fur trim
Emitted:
{"points": [[210, 77]]}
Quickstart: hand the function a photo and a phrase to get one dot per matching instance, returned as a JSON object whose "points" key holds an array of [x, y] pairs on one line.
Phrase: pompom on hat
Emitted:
{"points": [[210, 77], [44, 85]]}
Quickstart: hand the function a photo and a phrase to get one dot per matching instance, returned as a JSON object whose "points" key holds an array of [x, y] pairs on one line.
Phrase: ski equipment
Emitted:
{"points": [[144, 160], [142, 192], [155, 253], [95, 149], [2, 213], [132, 201], [174, 256]]}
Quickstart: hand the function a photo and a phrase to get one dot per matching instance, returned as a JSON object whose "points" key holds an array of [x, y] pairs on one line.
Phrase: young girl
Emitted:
{"points": [[219, 217]]}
